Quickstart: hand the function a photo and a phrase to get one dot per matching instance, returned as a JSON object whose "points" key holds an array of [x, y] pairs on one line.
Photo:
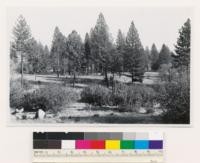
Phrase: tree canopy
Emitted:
{"points": [[182, 47], [134, 58]]}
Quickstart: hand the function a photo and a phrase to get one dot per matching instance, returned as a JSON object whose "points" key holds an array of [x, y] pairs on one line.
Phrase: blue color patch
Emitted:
{"points": [[141, 144]]}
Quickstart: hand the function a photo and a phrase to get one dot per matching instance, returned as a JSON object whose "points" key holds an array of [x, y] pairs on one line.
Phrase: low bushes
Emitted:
{"points": [[16, 93], [134, 96], [175, 101], [173, 98], [50, 97], [120, 94], [96, 95]]}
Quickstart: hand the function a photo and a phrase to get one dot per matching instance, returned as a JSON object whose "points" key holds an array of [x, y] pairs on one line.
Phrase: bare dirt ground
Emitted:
{"points": [[84, 114]]}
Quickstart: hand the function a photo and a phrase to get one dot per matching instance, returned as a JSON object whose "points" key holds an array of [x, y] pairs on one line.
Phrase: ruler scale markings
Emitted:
{"points": [[97, 147]]}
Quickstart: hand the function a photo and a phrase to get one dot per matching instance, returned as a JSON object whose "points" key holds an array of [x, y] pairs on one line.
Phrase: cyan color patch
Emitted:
{"points": [[141, 144]]}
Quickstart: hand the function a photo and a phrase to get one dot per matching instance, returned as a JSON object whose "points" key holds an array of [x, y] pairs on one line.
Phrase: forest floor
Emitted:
{"points": [[84, 114], [79, 112]]}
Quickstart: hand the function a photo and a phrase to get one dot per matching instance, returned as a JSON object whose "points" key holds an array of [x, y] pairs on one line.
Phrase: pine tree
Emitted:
{"points": [[43, 61], [121, 46], [37, 58], [116, 61], [116, 64], [13, 53], [154, 58], [46, 58], [182, 47], [87, 49], [101, 45], [147, 58], [22, 35], [75, 53], [164, 56], [58, 50], [33, 56], [134, 56]]}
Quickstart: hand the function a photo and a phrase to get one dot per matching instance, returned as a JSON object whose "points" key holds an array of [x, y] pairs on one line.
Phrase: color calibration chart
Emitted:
{"points": [[98, 147]]}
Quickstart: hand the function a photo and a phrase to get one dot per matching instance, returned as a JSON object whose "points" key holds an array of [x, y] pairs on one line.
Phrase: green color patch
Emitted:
{"points": [[127, 144]]}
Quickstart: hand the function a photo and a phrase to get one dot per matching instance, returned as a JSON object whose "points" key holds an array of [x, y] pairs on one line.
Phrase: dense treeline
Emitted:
{"points": [[97, 53]]}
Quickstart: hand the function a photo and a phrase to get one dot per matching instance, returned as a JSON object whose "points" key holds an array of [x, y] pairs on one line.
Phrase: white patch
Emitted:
{"points": [[41, 114]]}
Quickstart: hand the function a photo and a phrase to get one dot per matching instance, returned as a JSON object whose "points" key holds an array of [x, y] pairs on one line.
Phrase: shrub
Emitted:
{"points": [[134, 96], [96, 95], [50, 97], [120, 94], [175, 100], [34, 101], [16, 93]]}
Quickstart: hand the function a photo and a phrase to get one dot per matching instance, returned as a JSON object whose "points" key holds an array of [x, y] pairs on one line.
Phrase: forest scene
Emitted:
{"points": [[98, 78]]}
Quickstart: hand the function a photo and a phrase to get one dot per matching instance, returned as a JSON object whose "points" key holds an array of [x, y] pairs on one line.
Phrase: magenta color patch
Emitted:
{"points": [[83, 144]]}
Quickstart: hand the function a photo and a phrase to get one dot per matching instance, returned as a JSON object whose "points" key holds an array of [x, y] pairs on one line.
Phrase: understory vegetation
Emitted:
{"points": [[130, 97], [47, 98], [175, 101]]}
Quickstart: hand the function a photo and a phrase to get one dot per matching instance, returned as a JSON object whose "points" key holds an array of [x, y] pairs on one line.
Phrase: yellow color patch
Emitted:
{"points": [[112, 144]]}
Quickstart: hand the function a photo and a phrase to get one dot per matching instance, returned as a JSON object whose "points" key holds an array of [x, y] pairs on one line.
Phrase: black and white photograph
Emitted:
{"points": [[99, 65]]}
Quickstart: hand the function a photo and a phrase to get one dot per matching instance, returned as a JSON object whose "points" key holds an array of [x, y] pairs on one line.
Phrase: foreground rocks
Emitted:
{"points": [[20, 114]]}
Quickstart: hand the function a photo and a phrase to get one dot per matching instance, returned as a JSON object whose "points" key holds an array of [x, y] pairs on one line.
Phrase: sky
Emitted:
{"points": [[154, 24]]}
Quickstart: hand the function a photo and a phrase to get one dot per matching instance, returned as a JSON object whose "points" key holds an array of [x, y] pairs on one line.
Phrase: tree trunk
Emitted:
{"points": [[58, 66], [92, 69], [64, 71], [74, 78], [69, 71], [22, 70], [132, 77], [86, 70], [113, 83], [170, 75], [106, 77], [58, 74]]}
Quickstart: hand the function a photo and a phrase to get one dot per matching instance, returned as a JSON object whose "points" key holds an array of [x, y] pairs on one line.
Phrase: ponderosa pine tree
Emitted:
{"points": [[75, 52], [58, 50], [33, 56], [116, 65], [22, 35], [164, 56], [101, 45], [182, 47], [13, 53], [87, 50], [116, 61], [120, 47], [43, 61], [154, 58], [147, 59], [45, 58], [134, 56]]}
